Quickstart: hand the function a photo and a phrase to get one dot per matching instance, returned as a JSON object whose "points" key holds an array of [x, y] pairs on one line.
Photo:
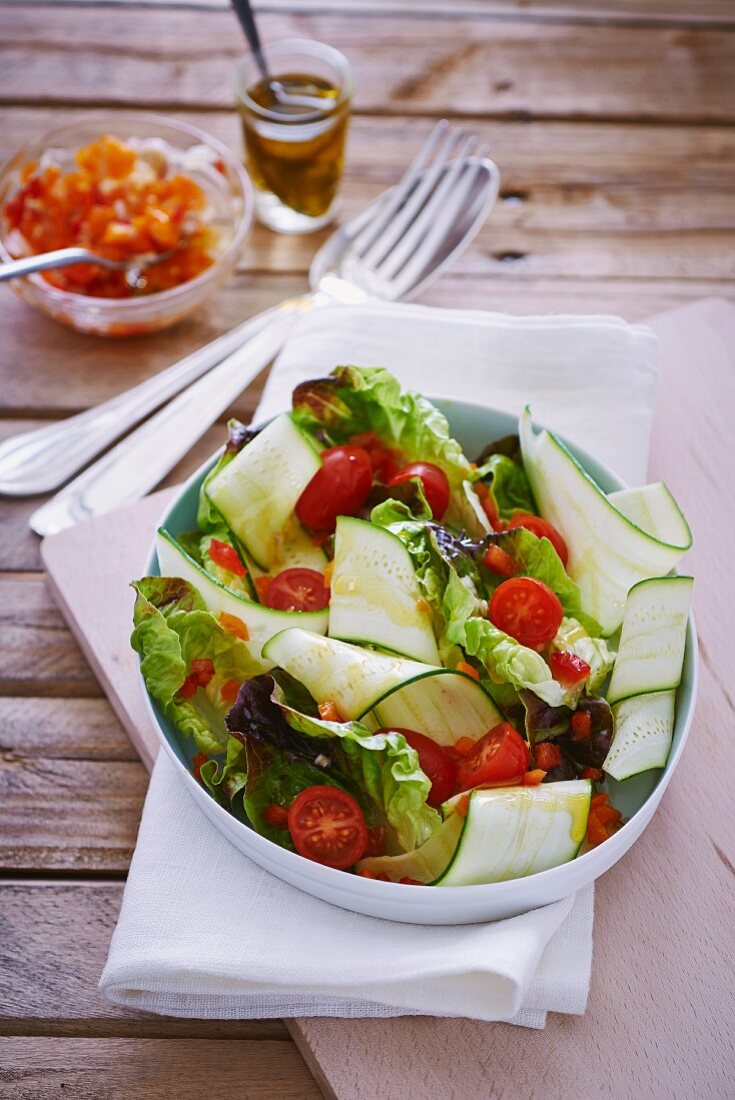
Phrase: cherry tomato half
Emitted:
{"points": [[526, 609], [434, 761], [297, 590], [500, 757], [338, 488], [541, 528], [328, 826], [434, 481]]}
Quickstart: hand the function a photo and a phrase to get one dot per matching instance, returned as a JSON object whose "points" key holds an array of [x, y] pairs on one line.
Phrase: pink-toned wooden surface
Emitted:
{"points": [[660, 1021]]}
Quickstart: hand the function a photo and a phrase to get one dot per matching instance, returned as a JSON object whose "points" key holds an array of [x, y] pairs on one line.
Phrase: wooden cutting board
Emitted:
{"points": [[660, 1021]]}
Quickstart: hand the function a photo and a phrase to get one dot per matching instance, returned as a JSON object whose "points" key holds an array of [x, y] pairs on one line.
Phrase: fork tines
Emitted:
{"points": [[419, 212]]}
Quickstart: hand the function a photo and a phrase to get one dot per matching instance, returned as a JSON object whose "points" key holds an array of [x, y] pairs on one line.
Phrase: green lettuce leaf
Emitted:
{"points": [[595, 651], [508, 485], [358, 399], [225, 779], [506, 660], [382, 765], [275, 778], [172, 628]]}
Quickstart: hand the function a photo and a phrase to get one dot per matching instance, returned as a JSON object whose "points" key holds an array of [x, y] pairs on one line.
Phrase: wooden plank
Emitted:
{"points": [[499, 69], [668, 12], [65, 371], [576, 200], [19, 546], [72, 758], [145, 1069], [38, 655], [61, 729], [53, 947], [91, 811]]}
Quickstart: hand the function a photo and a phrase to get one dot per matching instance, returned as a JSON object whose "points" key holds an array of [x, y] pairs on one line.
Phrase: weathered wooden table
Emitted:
{"points": [[611, 122]]}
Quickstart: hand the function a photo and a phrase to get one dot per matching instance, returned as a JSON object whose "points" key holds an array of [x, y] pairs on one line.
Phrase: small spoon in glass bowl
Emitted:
{"points": [[64, 257]]}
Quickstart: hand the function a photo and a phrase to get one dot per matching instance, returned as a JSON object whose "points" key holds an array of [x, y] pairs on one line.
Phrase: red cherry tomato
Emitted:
{"points": [[434, 481], [526, 609], [499, 758], [328, 826], [338, 488], [541, 528], [567, 668], [297, 590], [434, 761], [226, 557]]}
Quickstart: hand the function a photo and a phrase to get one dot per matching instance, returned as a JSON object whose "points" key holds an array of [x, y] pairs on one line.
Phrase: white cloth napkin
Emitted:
{"points": [[203, 932]]}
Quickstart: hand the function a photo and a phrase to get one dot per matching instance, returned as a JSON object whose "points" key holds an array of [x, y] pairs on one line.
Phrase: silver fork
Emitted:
{"points": [[357, 263]]}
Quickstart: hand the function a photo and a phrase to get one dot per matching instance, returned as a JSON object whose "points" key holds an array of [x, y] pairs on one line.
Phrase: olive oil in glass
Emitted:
{"points": [[295, 150]]}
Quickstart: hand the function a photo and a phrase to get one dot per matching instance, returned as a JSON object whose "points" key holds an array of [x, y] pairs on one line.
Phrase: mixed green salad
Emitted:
{"points": [[407, 664]]}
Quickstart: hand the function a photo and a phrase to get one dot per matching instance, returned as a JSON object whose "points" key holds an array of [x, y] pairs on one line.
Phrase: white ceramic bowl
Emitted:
{"points": [[638, 798]]}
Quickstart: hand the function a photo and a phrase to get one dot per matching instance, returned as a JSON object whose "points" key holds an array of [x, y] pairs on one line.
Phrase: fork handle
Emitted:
{"points": [[62, 257], [139, 462]]}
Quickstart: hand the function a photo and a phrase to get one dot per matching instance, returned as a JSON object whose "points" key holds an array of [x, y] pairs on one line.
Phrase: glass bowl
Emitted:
{"points": [[229, 191]]}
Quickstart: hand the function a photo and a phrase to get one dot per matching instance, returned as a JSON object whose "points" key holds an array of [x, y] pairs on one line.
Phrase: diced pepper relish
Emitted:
{"points": [[120, 202]]}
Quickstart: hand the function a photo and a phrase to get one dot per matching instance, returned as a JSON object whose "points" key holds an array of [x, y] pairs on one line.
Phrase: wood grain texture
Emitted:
{"points": [[461, 66], [576, 200], [148, 1069], [90, 817], [629, 12], [38, 654], [19, 546], [52, 950], [62, 729]]}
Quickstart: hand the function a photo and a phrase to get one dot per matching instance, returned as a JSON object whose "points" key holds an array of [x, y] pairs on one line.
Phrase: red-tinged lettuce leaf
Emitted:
{"points": [[547, 723]]}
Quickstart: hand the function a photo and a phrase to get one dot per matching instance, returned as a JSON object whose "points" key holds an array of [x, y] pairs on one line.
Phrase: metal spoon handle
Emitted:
{"points": [[246, 18], [62, 257], [139, 462], [41, 460]]}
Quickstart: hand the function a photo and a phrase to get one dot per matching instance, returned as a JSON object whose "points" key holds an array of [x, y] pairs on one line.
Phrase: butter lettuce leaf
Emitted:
{"points": [[172, 628], [506, 660], [573, 637], [508, 486]]}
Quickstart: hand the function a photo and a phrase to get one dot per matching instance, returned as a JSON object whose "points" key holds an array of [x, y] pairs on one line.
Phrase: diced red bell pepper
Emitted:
{"points": [[567, 668], [547, 755]]}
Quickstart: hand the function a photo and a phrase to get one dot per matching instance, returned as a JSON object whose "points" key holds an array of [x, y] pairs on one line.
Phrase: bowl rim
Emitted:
{"points": [[243, 221], [374, 889]]}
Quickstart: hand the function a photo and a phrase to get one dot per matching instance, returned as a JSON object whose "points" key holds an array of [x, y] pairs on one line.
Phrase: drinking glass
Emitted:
{"points": [[295, 153]]}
